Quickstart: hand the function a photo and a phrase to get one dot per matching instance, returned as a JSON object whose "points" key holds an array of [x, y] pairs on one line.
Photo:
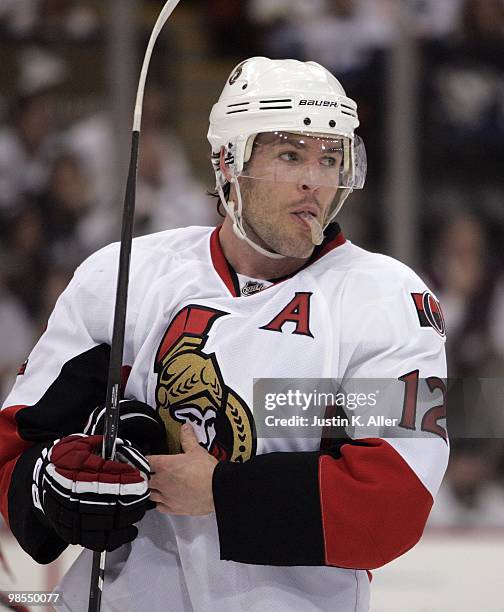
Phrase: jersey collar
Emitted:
{"points": [[333, 239]]}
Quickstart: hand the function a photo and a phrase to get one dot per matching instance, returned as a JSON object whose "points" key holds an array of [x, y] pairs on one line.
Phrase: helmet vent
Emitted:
{"points": [[348, 110], [238, 110], [276, 101]]}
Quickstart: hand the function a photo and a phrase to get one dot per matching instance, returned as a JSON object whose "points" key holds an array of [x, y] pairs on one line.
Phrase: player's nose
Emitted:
{"points": [[309, 187], [309, 180]]}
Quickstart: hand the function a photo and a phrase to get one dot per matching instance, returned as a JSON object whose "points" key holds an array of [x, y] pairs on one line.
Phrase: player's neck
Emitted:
{"points": [[247, 261]]}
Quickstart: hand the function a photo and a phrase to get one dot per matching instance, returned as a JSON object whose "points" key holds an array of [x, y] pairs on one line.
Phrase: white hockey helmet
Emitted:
{"points": [[283, 97]]}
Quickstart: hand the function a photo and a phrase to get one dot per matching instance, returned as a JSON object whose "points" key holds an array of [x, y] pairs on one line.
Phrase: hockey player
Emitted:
{"points": [[242, 521]]}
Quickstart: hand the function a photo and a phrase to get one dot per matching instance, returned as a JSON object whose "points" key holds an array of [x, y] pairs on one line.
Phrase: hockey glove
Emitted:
{"points": [[86, 499], [138, 422]]}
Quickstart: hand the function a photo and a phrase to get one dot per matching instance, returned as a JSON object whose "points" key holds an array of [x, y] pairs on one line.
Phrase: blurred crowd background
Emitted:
{"points": [[428, 76]]}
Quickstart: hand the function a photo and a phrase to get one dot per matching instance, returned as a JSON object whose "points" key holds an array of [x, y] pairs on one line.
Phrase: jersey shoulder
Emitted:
{"points": [[376, 286], [180, 242], [152, 257], [375, 275], [152, 254]]}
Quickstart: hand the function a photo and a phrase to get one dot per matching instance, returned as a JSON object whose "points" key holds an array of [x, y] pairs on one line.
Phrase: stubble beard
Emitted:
{"points": [[265, 231]]}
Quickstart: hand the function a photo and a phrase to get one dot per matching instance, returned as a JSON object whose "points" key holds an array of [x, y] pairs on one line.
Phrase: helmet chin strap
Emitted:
{"points": [[344, 196], [237, 218], [236, 214]]}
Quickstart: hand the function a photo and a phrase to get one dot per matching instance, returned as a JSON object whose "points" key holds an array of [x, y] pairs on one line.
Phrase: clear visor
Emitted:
{"points": [[319, 160]]}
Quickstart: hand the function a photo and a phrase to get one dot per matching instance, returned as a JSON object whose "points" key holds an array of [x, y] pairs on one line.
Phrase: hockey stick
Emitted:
{"points": [[116, 351]]}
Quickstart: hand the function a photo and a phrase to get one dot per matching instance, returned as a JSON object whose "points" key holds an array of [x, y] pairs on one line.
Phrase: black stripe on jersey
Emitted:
{"points": [[62, 410], [66, 405], [268, 509], [257, 505]]}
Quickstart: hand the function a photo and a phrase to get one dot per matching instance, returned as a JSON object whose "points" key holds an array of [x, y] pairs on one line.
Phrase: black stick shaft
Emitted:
{"points": [[116, 351], [96, 585]]}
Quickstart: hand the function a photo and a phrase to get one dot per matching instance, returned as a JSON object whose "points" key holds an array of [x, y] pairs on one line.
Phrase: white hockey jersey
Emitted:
{"points": [[299, 521]]}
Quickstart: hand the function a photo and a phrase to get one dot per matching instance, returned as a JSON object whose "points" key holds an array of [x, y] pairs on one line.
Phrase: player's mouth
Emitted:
{"points": [[303, 215]]}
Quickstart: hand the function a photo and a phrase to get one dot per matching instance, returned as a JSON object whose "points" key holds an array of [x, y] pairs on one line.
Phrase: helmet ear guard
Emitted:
{"points": [[238, 152]]}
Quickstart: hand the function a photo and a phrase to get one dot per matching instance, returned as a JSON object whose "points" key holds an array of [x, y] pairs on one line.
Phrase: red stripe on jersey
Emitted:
{"points": [[374, 507], [220, 263], [12, 446], [337, 241]]}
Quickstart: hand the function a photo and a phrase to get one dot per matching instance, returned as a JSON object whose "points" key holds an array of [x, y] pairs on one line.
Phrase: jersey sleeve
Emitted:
{"points": [[59, 385], [363, 499]]}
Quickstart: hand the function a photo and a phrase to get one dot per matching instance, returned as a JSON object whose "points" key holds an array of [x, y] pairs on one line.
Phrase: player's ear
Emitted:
{"points": [[224, 168]]}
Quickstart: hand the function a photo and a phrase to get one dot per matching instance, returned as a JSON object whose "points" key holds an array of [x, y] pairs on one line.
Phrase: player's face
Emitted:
{"points": [[294, 176]]}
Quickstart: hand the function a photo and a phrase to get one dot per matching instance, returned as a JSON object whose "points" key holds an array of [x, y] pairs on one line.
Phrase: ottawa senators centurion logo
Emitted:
{"points": [[190, 388]]}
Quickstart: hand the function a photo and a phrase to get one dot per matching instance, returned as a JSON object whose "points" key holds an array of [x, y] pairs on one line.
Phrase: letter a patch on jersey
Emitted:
{"points": [[429, 312], [297, 311]]}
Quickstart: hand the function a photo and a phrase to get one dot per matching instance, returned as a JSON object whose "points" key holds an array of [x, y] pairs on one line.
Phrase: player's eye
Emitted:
{"points": [[330, 162], [289, 156]]}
